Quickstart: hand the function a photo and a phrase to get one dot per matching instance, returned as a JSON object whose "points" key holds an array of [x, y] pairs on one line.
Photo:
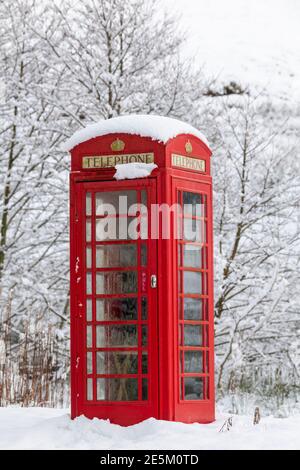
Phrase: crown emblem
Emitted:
{"points": [[188, 147], [117, 145]]}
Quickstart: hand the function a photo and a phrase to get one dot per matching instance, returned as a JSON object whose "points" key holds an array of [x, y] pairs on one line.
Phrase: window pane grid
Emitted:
{"points": [[115, 386], [192, 298], [192, 282], [139, 311], [93, 290], [194, 361]]}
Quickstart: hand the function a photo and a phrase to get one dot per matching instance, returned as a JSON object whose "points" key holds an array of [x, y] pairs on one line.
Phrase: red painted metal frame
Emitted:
{"points": [[135, 410], [196, 410], [164, 183]]}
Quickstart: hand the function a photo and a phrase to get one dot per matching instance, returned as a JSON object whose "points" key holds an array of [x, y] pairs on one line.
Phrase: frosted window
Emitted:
{"points": [[192, 282], [120, 200], [108, 256], [116, 282], [89, 338], [117, 309], [88, 257], [88, 310], [88, 230], [89, 283], [89, 389], [193, 388], [89, 363], [121, 363], [116, 336], [88, 204], [193, 335], [113, 389]]}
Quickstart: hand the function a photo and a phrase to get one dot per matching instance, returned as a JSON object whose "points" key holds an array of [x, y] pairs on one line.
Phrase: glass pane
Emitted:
{"points": [[89, 337], [179, 227], [192, 204], [89, 283], [121, 228], [117, 389], [180, 308], [116, 309], [88, 310], [115, 282], [89, 391], [88, 257], [144, 389], [116, 336], [192, 282], [144, 197], [121, 200], [193, 335], [193, 362], [89, 363], [180, 334], [193, 230], [192, 309], [109, 256], [193, 388], [145, 363], [88, 231], [144, 335], [88, 204], [144, 308], [207, 362], [204, 205], [206, 389], [180, 389], [193, 256], [204, 232], [122, 363], [143, 254], [117, 228]]}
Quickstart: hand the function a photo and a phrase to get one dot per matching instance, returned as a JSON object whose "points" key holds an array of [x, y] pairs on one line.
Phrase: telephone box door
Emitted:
{"points": [[114, 332], [194, 338]]}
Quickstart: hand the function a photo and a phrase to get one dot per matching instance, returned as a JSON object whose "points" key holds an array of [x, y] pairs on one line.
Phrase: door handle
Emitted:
{"points": [[153, 281]]}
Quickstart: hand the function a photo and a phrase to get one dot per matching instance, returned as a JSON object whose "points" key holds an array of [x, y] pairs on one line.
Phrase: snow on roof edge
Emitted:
{"points": [[158, 128]]}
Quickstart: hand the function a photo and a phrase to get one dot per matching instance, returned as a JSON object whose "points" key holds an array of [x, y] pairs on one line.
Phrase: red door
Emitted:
{"points": [[114, 324], [195, 330]]}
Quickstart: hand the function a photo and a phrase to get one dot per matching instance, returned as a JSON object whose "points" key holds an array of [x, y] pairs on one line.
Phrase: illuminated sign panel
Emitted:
{"points": [[109, 161], [188, 163]]}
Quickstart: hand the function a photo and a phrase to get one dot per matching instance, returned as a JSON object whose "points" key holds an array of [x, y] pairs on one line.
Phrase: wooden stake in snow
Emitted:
{"points": [[227, 425], [256, 419]]}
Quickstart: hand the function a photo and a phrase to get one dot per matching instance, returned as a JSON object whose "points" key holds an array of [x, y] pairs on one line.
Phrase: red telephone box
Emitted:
{"points": [[141, 305]]}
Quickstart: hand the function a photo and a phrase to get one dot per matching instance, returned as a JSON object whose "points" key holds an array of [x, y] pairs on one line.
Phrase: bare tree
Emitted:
{"points": [[257, 242], [64, 65]]}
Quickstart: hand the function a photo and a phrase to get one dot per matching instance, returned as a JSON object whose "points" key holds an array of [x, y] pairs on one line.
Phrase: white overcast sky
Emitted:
{"points": [[254, 41]]}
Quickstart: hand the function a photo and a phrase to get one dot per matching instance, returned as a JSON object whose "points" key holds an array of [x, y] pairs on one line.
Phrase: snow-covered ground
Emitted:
{"points": [[45, 428]]}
